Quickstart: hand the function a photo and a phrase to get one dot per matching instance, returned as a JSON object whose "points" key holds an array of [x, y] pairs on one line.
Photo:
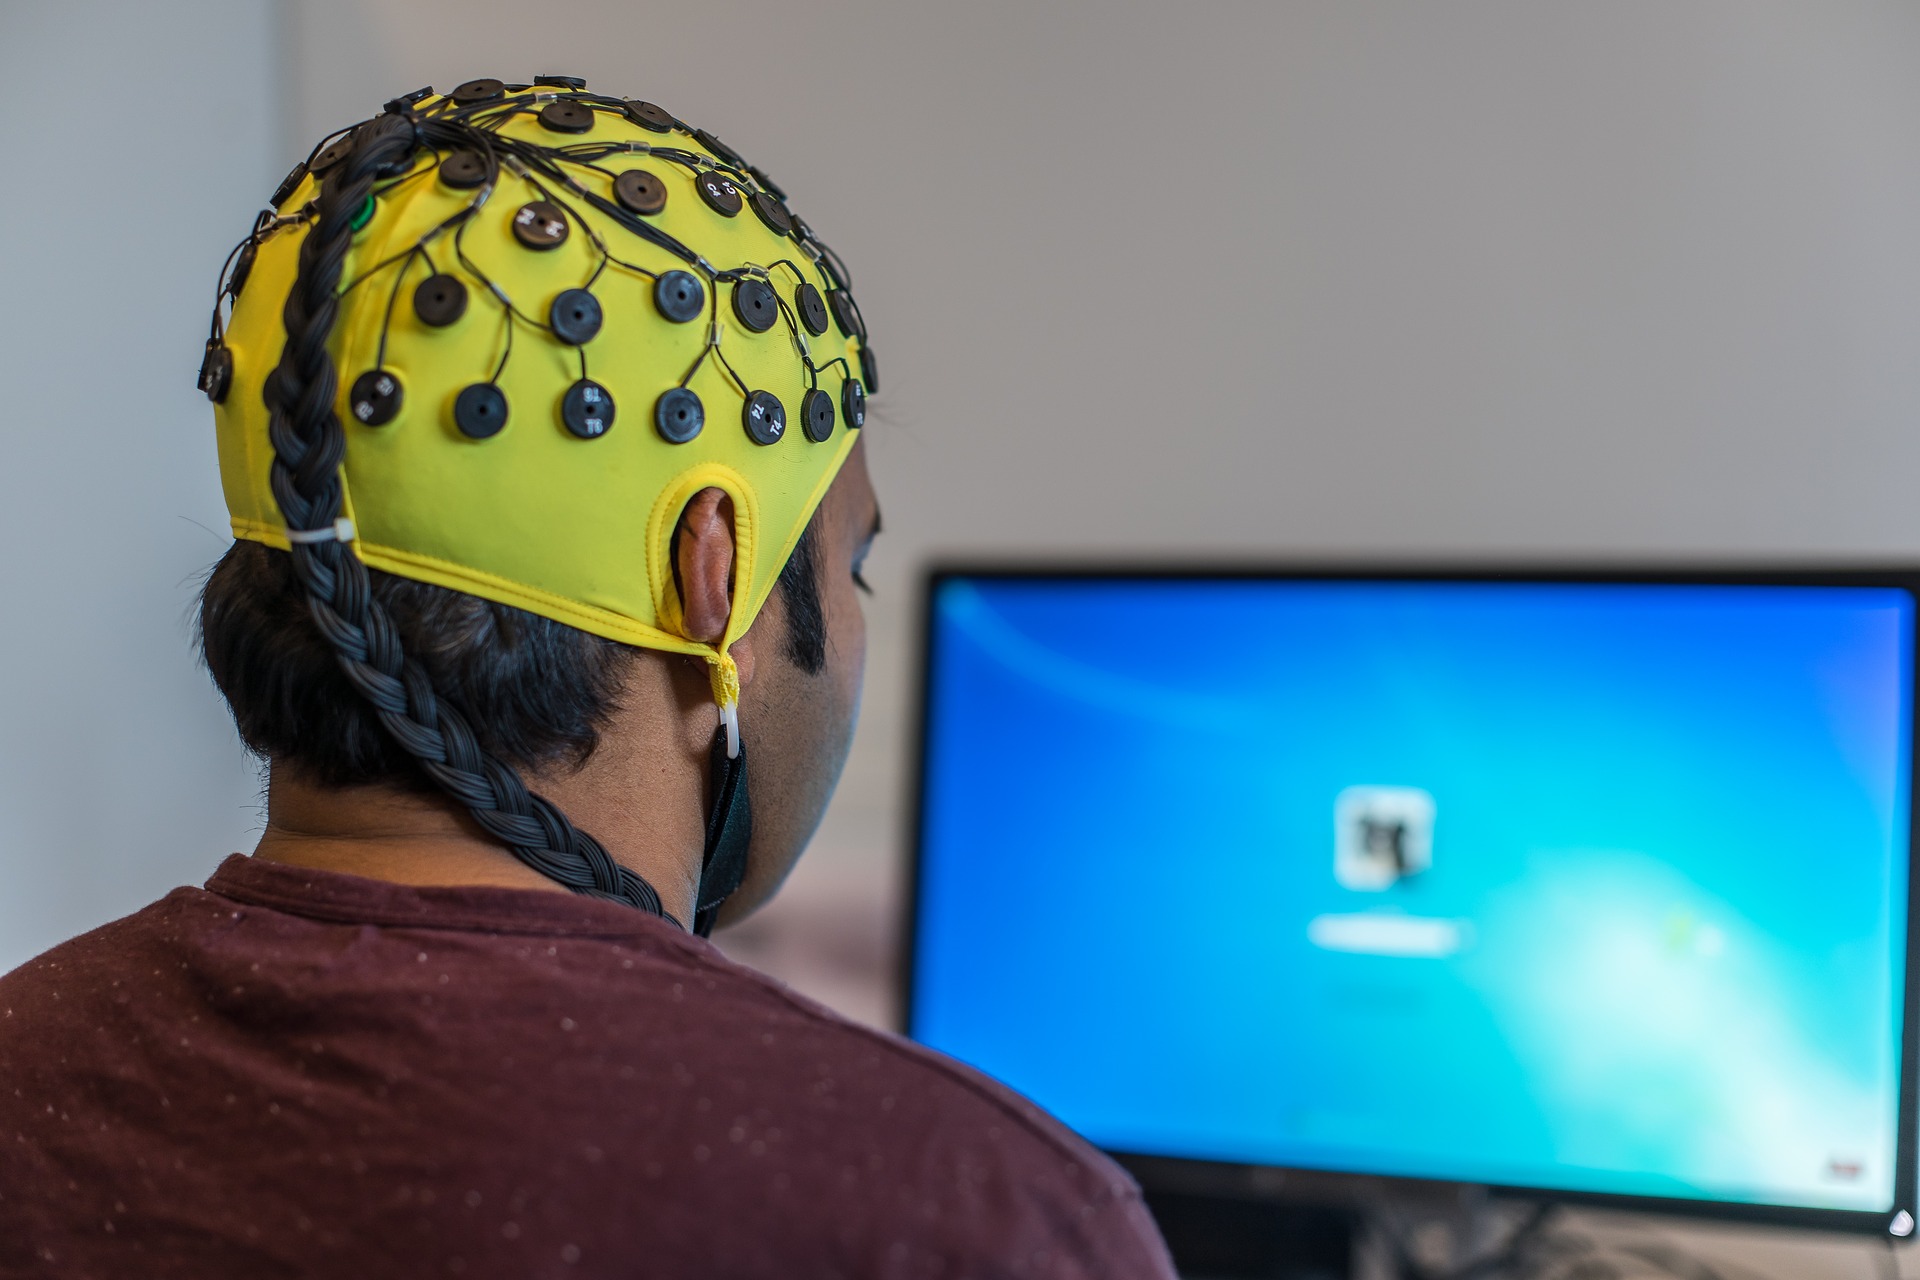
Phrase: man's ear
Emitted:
{"points": [[703, 556]]}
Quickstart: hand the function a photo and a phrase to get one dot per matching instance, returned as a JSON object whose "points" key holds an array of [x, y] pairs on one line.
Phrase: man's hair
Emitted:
{"points": [[536, 692]]}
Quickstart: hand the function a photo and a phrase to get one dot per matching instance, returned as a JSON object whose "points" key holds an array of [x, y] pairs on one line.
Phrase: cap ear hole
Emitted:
{"points": [[704, 546]]}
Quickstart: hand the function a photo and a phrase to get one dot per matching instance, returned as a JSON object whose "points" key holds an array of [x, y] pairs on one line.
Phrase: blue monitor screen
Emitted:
{"points": [[1589, 887]]}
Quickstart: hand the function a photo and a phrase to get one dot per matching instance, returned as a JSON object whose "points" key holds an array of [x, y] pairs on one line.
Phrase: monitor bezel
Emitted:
{"points": [[1159, 1171]]}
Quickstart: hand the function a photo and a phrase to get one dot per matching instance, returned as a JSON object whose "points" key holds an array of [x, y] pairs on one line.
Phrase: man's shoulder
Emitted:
{"points": [[897, 1133], [908, 1087], [116, 945]]}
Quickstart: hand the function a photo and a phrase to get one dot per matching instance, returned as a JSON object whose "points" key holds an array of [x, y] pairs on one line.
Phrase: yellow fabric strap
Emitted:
{"points": [[726, 678]]}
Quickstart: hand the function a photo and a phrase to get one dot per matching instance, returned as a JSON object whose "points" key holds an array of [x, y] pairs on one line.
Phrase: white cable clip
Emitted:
{"points": [[730, 717], [713, 335], [340, 530]]}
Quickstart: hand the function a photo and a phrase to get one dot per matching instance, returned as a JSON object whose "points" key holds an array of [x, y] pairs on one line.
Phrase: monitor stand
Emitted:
{"points": [[1228, 1222], [1216, 1237]]}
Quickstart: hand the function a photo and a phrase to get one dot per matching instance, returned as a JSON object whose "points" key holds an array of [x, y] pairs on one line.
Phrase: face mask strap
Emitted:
{"points": [[723, 862]]}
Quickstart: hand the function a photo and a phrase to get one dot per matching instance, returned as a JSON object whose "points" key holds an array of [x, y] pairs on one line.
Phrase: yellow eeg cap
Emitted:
{"points": [[566, 510]]}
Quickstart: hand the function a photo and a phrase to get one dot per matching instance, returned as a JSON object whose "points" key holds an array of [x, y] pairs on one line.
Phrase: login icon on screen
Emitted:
{"points": [[1382, 835]]}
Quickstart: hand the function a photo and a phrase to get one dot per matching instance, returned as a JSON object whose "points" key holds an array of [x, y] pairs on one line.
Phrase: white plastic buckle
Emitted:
{"points": [[340, 530], [730, 717]]}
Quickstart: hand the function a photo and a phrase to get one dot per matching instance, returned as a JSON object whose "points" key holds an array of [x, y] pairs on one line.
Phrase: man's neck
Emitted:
{"points": [[420, 839]]}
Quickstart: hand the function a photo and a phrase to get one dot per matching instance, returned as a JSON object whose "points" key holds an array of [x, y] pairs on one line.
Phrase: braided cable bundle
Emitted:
{"points": [[308, 446]]}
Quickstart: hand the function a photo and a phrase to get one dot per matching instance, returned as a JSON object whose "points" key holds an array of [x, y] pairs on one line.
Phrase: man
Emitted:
{"points": [[528, 565]]}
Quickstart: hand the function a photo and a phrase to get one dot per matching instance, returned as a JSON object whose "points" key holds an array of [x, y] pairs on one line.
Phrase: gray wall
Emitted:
{"points": [[143, 137], [1346, 274], [1233, 277]]}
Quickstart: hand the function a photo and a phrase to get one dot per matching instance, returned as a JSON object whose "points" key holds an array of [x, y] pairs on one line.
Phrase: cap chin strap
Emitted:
{"points": [[723, 863]]}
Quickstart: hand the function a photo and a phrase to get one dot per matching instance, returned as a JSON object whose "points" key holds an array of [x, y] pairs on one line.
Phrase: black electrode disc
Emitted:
{"points": [[439, 300], [764, 417], [216, 371], [812, 308], [846, 313], [648, 116], [772, 212], [396, 167], [718, 149], [587, 409], [718, 191], [566, 116], [678, 415], [289, 184], [242, 268], [539, 225], [816, 415], [680, 296], [375, 397], [331, 155], [477, 91], [463, 169], [480, 410], [561, 82], [869, 371], [640, 192], [755, 302], [853, 400], [574, 316]]}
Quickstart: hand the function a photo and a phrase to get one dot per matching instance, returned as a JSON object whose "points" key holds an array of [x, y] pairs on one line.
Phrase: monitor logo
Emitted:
{"points": [[1382, 835]]}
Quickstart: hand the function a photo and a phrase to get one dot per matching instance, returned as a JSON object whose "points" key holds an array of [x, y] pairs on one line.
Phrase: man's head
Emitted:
{"points": [[489, 498]]}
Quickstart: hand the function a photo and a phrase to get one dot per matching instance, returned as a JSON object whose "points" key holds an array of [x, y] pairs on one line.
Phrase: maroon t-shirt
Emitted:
{"points": [[301, 1073]]}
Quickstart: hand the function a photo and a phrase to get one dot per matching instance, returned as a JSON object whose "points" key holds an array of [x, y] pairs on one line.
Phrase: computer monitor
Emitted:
{"points": [[1588, 884]]}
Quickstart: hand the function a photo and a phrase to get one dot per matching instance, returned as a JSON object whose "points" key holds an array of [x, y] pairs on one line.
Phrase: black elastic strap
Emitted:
{"points": [[723, 864]]}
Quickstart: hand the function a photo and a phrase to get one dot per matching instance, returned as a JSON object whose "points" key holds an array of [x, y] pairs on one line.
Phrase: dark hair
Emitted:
{"points": [[535, 692]]}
